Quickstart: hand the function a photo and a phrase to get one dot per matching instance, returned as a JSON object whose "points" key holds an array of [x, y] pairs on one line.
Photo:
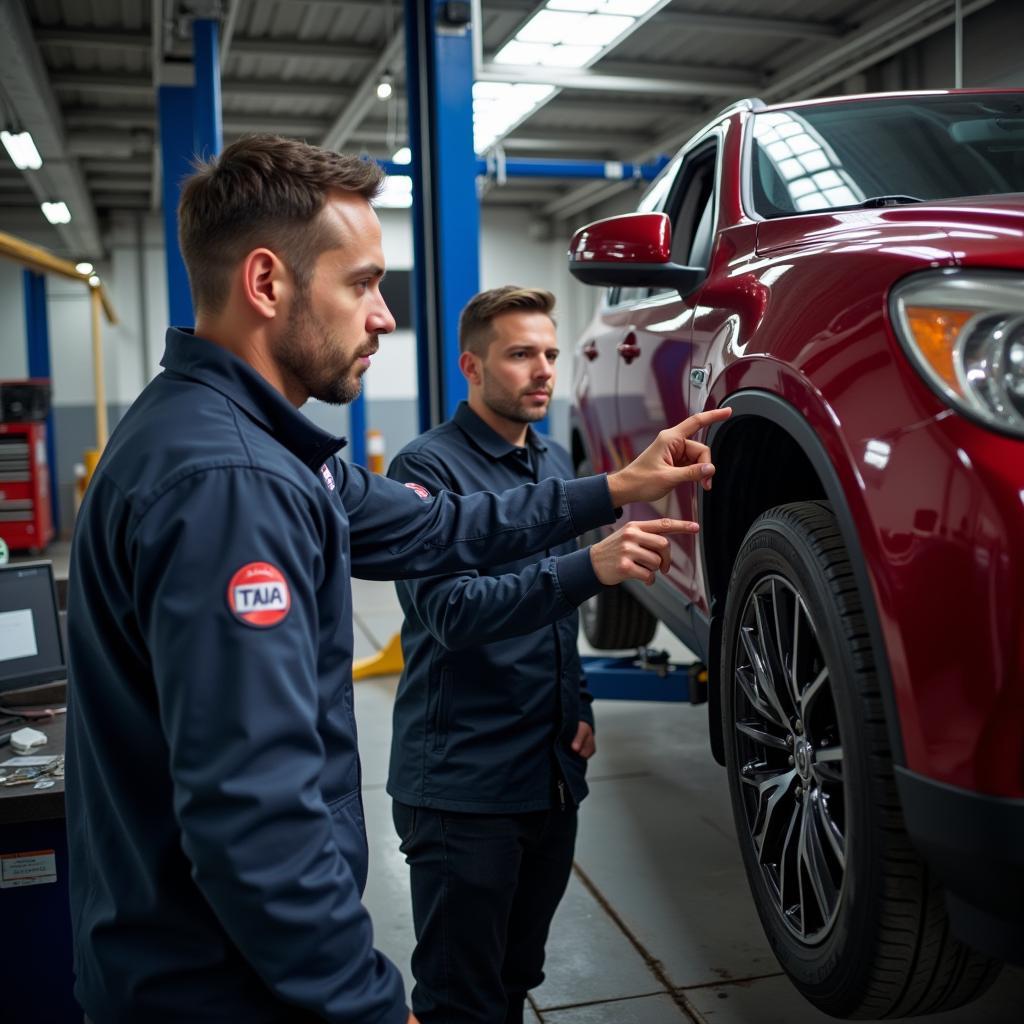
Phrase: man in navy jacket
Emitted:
{"points": [[492, 723], [215, 827]]}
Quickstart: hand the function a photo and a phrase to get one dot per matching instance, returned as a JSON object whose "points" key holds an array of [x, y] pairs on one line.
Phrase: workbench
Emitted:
{"points": [[36, 976]]}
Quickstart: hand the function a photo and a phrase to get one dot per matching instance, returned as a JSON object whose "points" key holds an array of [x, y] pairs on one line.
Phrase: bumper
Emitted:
{"points": [[975, 844]]}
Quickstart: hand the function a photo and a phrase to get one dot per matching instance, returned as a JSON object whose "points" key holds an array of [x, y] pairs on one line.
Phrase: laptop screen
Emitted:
{"points": [[31, 649]]}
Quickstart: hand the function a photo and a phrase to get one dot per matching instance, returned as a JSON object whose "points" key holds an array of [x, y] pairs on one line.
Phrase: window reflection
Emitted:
{"points": [[806, 166]]}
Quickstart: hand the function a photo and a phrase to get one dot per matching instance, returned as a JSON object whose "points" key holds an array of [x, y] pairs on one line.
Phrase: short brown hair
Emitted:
{"points": [[263, 190], [476, 323]]}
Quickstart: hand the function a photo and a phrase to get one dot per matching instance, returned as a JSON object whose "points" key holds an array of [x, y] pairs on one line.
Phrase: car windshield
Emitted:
{"points": [[882, 151]]}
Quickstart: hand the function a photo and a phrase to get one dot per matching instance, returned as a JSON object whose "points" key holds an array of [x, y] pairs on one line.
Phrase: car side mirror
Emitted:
{"points": [[634, 250]]}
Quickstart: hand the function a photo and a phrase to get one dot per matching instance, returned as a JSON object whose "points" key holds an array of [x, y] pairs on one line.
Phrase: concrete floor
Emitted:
{"points": [[658, 925]]}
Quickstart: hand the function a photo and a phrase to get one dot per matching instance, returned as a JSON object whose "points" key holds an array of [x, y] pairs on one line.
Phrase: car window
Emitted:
{"points": [[654, 201], [692, 223], [924, 147]]}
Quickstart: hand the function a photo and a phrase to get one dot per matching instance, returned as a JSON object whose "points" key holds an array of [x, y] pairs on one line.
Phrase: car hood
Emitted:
{"points": [[975, 231]]}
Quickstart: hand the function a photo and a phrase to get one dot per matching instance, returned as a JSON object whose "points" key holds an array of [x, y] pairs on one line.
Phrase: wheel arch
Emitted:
{"points": [[765, 455]]}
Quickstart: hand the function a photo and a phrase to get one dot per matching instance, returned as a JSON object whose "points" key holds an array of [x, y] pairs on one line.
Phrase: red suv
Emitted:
{"points": [[848, 275]]}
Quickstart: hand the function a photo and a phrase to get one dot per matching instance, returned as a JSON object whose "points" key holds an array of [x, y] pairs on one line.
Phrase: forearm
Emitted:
{"points": [[466, 611]]}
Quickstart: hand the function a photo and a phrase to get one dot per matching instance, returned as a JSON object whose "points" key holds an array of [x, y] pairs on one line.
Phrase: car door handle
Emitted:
{"points": [[628, 349], [590, 350]]}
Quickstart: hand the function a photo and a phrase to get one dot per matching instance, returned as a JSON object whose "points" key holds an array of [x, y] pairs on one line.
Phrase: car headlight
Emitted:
{"points": [[964, 331]]}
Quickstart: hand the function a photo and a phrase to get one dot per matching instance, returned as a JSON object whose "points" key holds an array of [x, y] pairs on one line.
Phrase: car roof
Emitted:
{"points": [[754, 104]]}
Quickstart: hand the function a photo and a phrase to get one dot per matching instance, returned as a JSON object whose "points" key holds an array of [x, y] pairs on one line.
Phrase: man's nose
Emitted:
{"points": [[381, 320]]}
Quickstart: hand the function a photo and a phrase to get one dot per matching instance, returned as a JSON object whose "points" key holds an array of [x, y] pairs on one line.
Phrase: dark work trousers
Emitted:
{"points": [[484, 890]]}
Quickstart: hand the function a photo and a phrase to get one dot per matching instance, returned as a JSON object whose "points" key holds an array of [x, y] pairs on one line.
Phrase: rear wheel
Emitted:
{"points": [[614, 620], [847, 904]]}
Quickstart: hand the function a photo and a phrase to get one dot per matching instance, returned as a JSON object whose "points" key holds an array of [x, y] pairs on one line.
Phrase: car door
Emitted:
{"points": [[655, 352], [595, 369], [598, 356]]}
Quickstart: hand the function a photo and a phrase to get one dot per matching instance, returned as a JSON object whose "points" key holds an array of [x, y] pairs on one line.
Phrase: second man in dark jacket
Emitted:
{"points": [[493, 724]]}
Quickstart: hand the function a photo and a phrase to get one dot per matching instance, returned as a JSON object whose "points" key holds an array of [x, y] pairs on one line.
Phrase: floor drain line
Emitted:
{"points": [[654, 965]]}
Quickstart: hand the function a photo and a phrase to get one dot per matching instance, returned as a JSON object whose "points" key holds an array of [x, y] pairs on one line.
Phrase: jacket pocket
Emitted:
{"points": [[442, 707], [349, 829]]}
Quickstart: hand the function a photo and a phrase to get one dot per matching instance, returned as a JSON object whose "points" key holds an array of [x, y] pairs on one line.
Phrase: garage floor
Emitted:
{"points": [[658, 926]]}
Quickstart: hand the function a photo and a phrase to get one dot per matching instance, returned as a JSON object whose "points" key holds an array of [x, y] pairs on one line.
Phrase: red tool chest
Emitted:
{"points": [[25, 520]]}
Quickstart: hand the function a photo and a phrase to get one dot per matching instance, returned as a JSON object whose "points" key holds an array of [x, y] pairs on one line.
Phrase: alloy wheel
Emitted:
{"points": [[790, 758]]}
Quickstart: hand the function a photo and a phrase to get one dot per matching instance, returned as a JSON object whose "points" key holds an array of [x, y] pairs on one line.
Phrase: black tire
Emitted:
{"points": [[849, 907], [613, 620]]}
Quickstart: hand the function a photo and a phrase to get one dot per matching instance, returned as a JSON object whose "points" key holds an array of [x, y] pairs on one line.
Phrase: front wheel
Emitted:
{"points": [[848, 906]]}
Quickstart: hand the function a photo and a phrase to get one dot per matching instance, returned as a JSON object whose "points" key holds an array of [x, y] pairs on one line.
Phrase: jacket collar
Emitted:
{"points": [[210, 364], [486, 438]]}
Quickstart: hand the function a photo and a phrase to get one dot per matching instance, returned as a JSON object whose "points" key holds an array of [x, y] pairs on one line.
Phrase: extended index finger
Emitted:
{"points": [[667, 525], [700, 420]]}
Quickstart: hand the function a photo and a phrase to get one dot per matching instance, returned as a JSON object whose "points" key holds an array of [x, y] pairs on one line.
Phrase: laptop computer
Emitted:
{"points": [[31, 644]]}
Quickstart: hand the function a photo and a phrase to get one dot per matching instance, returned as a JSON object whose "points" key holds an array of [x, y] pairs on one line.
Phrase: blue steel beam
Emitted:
{"points": [[446, 210], [37, 330], [176, 141], [357, 430], [190, 126], [206, 106], [547, 168]]}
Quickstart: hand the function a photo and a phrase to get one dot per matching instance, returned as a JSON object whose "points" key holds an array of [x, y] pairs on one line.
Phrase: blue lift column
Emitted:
{"points": [[190, 125], [445, 207], [37, 329]]}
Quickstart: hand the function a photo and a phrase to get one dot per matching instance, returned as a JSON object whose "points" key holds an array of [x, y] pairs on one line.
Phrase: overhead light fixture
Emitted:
{"points": [[562, 34], [402, 156], [94, 281], [384, 87], [84, 268], [499, 106], [56, 213], [22, 150]]}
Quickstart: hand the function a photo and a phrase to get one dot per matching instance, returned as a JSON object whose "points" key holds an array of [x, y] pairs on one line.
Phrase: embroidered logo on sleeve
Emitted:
{"points": [[258, 595], [328, 476], [420, 490]]}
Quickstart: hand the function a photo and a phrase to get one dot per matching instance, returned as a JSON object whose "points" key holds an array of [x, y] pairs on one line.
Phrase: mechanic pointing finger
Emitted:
{"points": [[217, 848]]}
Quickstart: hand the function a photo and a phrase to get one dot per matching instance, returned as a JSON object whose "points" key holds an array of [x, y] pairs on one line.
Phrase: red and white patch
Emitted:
{"points": [[420, 490], [258, 595], [328, 476]]}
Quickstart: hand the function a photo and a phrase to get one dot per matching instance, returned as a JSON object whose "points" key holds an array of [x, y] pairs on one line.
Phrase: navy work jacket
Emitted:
{"points": [[493, 691], [217, 846]]}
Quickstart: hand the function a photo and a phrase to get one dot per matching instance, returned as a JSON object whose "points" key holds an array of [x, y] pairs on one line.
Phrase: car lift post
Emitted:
{"points": [[189, 106], [445, 207]]}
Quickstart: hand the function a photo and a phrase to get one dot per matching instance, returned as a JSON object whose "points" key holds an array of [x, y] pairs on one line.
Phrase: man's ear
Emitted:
{"points": [[266, 283], [471, 366]]}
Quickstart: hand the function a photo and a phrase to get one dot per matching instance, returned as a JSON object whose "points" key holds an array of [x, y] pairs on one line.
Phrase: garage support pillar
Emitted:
{"points": [[37, 330], [190, 125], [445, 208]]}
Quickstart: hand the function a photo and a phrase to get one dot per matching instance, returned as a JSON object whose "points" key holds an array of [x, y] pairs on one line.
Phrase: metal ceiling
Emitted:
{"points": [[80, 75]]}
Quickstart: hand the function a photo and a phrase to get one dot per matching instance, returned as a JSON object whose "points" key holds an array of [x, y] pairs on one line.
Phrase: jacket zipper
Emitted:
{"points": [[561, 793]]}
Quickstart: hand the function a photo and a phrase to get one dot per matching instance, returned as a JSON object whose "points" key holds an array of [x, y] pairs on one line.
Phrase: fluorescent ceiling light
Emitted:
{"points": [[551, 27], [546, 55], [396, 194], [22, 150], [601, 29], [56, 213], [497, 106], [84, 268], [563, 34], [402, 156], [633, 8]]}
